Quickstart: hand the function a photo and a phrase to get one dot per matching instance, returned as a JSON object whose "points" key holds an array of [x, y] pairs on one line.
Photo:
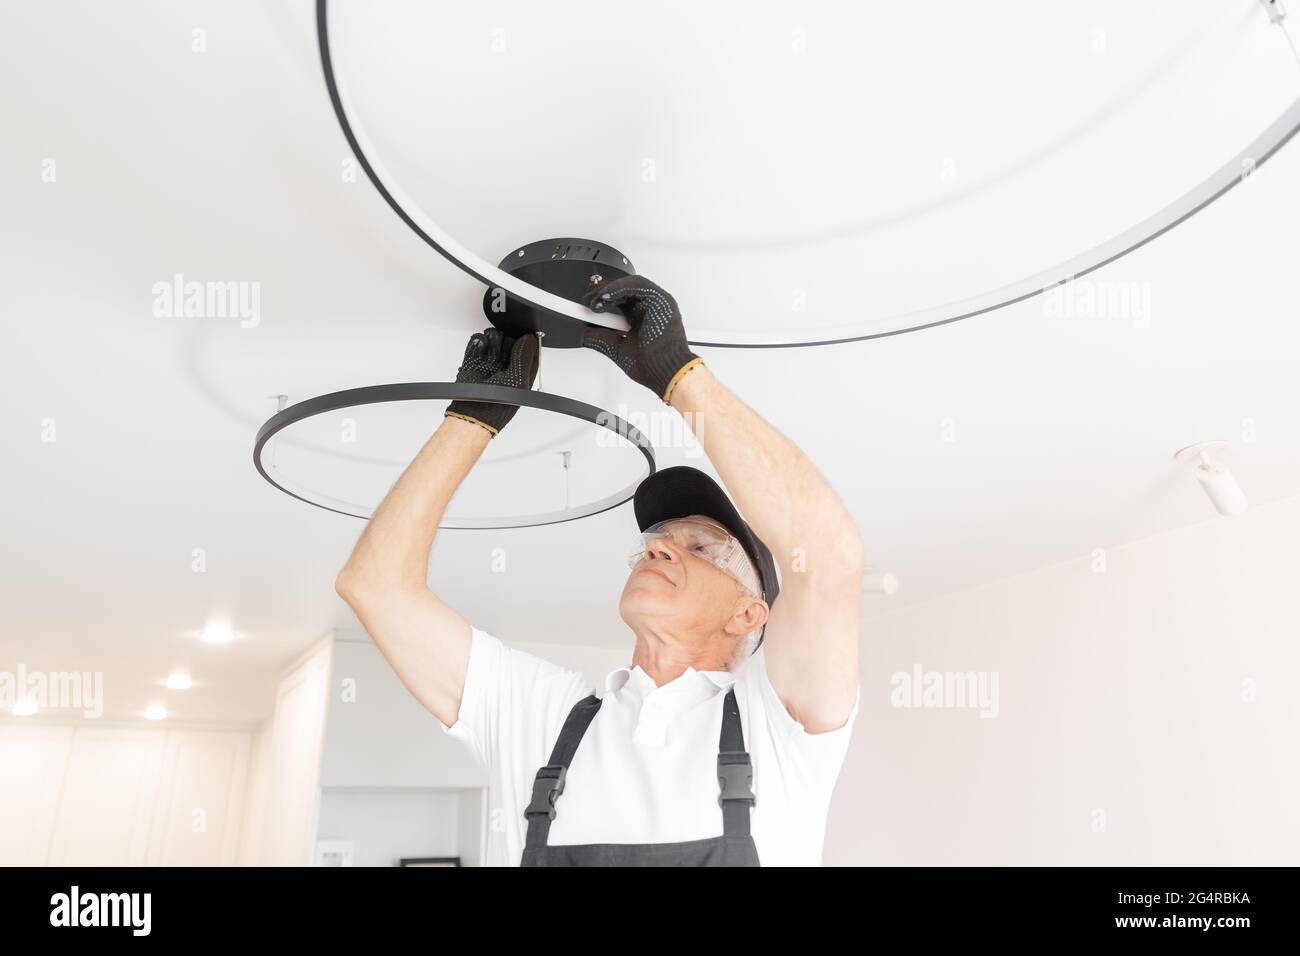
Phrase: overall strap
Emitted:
{"points": [[735, 773], [549, 782]]}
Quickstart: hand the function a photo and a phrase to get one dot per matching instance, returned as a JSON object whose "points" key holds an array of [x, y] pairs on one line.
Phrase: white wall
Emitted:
{"points": [[1127, 732], [393, 781], [386, 825], [378, 735]]}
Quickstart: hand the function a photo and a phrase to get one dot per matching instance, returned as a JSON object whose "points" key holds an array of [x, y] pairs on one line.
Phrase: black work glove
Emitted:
{"points": [[654, 352], [492, 358]]}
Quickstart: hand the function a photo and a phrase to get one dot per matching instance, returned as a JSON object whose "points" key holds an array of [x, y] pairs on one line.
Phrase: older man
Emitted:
{"points": [[721, 742]]}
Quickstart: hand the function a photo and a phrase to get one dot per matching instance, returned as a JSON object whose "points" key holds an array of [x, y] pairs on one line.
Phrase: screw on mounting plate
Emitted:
{"points": [[537, 384]]}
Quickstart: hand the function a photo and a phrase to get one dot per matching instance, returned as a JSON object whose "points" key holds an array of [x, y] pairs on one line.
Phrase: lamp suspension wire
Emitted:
{"points": [[1290, 40]]}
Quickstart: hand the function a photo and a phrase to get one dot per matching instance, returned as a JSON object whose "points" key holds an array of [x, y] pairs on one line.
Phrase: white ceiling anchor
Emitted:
{"points": [[1276, 12]]}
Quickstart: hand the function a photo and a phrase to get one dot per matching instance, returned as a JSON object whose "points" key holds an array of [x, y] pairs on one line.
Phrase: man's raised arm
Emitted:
{"points": [[811, 642], [385, 581]]}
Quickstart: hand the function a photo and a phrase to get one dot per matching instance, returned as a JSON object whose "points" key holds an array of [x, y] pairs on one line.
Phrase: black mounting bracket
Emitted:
{"points": [[563, 267]]}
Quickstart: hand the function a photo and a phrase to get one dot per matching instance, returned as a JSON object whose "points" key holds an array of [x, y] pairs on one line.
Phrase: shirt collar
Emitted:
{"points": [[642, 681]]}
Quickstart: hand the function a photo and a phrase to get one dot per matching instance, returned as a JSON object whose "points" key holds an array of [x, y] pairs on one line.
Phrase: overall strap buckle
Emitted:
{"points": [[735, 777], [547, 787]]}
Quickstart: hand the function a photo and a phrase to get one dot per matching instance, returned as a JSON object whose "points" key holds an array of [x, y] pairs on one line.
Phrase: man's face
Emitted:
{"points": [[676, 585]]}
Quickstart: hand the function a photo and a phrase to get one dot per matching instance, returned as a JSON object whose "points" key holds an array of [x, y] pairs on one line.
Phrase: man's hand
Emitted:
{"points": [[492, 358], [655, 352]]}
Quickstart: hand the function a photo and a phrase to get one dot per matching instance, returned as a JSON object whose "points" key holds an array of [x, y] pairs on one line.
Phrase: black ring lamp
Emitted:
{"points": [[434, 391], [538, 289], [555, 309]]}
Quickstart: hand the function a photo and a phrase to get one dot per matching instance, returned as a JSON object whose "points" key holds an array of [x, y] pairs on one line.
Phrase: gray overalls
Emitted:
{"points": [[735, 847]]}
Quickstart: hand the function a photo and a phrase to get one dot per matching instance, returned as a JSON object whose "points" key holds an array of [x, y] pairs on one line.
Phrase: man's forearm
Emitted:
{"points": [[393, 551], [780, 492]]}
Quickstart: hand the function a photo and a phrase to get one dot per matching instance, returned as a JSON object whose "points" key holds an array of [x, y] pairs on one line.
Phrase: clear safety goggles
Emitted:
{"points": [[706, 541]]}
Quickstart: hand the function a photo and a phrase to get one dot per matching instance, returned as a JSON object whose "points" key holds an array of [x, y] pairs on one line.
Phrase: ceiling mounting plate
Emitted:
{"points": [[563, 267]]}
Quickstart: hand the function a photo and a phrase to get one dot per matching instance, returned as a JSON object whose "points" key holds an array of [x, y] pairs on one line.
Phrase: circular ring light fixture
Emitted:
{"points": [[433, 391], [563, 311]]}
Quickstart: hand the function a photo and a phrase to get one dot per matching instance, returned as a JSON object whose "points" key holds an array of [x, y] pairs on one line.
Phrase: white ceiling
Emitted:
{"points": [[913, 154]]}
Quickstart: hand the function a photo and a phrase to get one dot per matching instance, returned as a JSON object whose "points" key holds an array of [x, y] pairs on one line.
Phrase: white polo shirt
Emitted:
{"points": [[646, 770]]}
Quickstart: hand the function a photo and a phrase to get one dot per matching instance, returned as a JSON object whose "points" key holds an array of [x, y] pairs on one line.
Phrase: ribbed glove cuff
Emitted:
{"points": [[486, 414], [665, 367]]}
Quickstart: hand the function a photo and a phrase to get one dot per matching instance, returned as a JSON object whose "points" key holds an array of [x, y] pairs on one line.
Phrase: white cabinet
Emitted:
{"points": [[200, 799], [288, 792], [73, 795], [33, 760], [107, 798]]}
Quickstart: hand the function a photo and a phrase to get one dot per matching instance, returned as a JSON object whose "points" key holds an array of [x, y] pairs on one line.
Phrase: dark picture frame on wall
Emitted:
{"points": [[429, 861]]}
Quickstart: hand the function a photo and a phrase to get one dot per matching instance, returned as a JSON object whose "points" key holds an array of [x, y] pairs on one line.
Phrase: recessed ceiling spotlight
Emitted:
{"points": [[218, 632], [155, 712], [1206, 459], [24, 708], [179, 680]]}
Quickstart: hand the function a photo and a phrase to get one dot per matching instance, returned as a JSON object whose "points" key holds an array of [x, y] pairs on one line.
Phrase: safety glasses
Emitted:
{"points": [[703, 540]]}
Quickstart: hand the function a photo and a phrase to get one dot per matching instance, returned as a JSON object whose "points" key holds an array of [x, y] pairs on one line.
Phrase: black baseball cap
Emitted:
{"points": [[681, 491]]}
